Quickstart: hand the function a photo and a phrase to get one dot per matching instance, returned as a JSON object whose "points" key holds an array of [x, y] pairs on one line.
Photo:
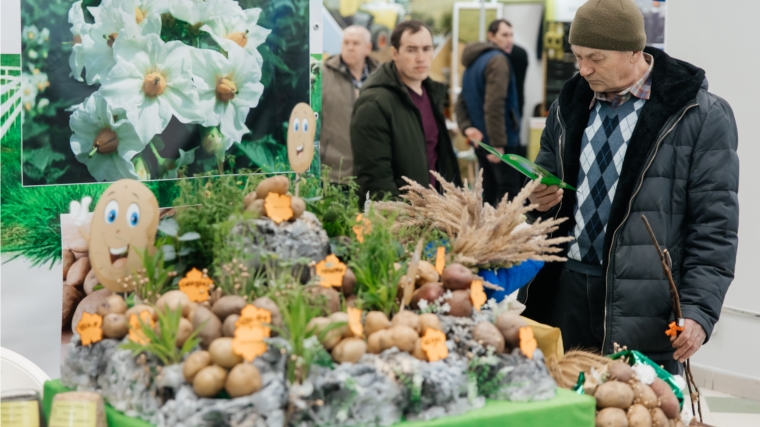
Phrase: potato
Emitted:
{"points": [[191, 311], [78, 271], [269, 305], [173, 299], [113, 304], [460, 303], [614, 394], [277, 184], [222, 354], [212, 329], [68, 261], [456, 276], [638, 416], [509, 324], [244, 379], [330, 339], [194, 363], [407, 318], [115, 326], [248, 199], [621, 371], [298, 206], [331, 296], [668, 401], [209, 381], [349, 350], [184, 330], [428, 292], [228, 304], [418, 352], [487, 334], [429, 321], [349, 283], [257, 208], [374, 341], [611, 417], [659, 419], [644, 395], [342, 316], [90, 281], [139, 308], [351, 301], [426, 273], [678, 423], [228, 328], [404, 337]]}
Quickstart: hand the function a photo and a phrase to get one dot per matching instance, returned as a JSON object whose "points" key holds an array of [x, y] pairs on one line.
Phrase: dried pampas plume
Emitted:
{"points": [[480, 235]]}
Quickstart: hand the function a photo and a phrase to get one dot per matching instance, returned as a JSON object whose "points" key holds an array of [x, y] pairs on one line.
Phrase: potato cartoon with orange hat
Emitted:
{"points": [[124, 224], [301, 130]]}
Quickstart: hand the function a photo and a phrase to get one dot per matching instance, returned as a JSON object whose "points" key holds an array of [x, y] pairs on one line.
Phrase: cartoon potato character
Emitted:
{"points": [[123, 224], [301, 130]]}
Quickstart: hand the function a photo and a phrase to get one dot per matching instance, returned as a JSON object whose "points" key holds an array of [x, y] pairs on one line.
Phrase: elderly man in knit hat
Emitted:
{"points": [[637, 133]]}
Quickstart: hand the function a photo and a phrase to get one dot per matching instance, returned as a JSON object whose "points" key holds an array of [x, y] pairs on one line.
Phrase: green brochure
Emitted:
{"points": [[527, 168]]}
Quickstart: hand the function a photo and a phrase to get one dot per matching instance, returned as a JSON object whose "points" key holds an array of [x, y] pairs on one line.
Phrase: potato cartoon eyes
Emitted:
{"points": [[305, 126], [111, 212], [133, 215]]}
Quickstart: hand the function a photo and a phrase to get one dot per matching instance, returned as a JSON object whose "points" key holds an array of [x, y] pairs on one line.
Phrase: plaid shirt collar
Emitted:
{"points": [[641, 89], [357, 83]]}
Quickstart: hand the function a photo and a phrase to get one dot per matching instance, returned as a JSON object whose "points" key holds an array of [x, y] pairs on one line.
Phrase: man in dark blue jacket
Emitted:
{"points": [[487, 109]]}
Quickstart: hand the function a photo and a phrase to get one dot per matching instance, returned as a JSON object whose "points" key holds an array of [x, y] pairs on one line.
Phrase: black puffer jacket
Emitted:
{"points": [[681, 170]]}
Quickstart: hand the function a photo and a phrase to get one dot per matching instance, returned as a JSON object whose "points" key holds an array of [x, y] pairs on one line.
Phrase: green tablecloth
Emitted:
{"points": [[567, 409]]}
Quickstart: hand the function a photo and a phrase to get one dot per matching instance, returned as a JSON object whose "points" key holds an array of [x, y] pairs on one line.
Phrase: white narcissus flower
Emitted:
{"points": [[79, 30], [41, 81], [105, 145], [227, 89], [44, 36], [239, 30], [152, 81], [28, 91], [145, 15], [199, 12], [31, 34]]}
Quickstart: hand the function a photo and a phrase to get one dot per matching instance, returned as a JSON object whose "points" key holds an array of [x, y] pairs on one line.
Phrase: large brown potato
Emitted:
{"points": [[456, 277]]}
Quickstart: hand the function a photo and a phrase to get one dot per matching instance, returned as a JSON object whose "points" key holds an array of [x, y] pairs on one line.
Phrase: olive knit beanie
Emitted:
{"points": [[609, 25]]}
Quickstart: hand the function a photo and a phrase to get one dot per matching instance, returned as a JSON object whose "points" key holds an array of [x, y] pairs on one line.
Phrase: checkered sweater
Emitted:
{"points": [[602, 153]]}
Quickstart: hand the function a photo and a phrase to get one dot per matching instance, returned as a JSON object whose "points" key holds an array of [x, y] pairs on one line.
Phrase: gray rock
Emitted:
{"points": [[528, 380], [83, 364]]}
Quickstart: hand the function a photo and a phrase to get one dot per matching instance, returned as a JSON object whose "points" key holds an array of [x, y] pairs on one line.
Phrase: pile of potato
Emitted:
{"points": [[624, 401], [254, 201], [455, 278], [220, 368]]}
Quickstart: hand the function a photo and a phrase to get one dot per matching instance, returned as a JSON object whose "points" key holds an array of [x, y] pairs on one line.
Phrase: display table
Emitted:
{"points": [[567, 409]]}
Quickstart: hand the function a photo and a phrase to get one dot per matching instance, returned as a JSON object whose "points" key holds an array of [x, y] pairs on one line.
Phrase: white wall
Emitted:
{"points": [[10, 26], [718, 36]]}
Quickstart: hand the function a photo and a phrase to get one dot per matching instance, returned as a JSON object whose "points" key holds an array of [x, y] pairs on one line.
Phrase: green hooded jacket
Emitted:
{"points": [[387, 136]]}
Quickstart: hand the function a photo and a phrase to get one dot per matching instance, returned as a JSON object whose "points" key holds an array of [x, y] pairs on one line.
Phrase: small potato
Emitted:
{"points": [[614, 394], [659, 419], [621, 371], [248, 199], [407, 318], [277, 184], [113, 304], [298, 206], [379, 341], [139, 308], [349, 283], [404, 337], [78, 271], [426, 273], [611, 417], [644, 395], [418, 352], [184, 330], [209, 381], [488, 335], [191, 311], [228, 328], [68, 261], [173, 299], [213, 326], [342, 317], [331, 338], [243, 380], [328, 295], [428, 292], [257, 208], [349, 350], [194, 363], [269, 305], [456, 276], [429, 321], [460, 303], [115, 326], [228, 304], [668, 401], [509, 324], [222, 354], [639, 416]]}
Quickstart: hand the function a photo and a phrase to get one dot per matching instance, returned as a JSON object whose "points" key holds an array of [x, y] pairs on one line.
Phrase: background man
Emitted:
{"points": [[487, 109], [398, 128], [637, 133], [343, 75]]}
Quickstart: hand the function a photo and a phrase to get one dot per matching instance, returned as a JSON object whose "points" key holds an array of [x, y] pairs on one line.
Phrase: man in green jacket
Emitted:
{"points": [[398, 128]]}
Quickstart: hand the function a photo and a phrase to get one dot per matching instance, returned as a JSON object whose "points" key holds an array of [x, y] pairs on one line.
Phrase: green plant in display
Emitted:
{"points": [[338, 206], [154, 278], [480, 371], [162, 341], [373, 264]]}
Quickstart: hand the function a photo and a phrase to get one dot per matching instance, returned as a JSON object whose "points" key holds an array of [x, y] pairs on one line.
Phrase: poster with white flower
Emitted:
{"points": [[159, 89]]}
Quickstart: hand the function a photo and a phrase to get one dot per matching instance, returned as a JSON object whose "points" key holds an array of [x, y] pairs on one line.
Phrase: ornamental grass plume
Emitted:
{"points": [[480, 234]]}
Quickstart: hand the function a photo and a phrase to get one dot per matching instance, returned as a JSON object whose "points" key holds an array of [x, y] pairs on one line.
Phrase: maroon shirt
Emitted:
{"points": [[429, 126]]}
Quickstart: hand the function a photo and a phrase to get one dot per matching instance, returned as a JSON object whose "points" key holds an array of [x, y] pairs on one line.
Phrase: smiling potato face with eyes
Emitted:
{"points": [[124, 222], [301, 129]]}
